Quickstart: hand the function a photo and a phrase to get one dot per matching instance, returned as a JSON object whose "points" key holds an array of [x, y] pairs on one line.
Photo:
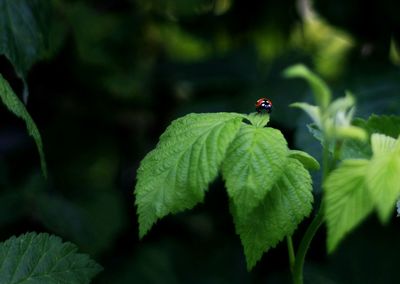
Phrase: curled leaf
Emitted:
{"points": [[322, 93]]}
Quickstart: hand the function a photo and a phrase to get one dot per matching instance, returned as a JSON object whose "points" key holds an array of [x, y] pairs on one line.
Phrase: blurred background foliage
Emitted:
{"points": [[109, 76]]}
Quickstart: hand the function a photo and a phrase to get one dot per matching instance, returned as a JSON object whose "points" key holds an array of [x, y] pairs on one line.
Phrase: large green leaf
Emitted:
{"points": [[347, 200], [12, 102], [175, 175], [383, 182], [278, 215], [40, 258], [253, 164], [23, 33], [322, 93]]}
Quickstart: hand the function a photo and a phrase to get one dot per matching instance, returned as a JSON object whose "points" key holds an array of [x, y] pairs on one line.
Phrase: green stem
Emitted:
{"points": [[314, 226], [326, 167], [292, 258], [305, 244]]}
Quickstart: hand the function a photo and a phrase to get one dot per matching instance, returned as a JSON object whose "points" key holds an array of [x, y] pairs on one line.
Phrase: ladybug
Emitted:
{"points": [[265, 104]]}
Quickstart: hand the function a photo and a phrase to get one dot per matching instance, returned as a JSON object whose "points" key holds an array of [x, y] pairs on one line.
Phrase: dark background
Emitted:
{"points": [[118, 72]]}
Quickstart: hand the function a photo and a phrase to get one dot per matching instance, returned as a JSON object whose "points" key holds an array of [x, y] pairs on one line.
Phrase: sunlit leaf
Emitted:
{"points": [[174, 176], [382, 144], [350, 132], [258, 119], [347, 200], [254, 162], [278, 215], [383, 182]]}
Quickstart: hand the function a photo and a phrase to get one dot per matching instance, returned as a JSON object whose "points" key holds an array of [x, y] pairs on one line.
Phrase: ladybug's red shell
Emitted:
{"points": [[265, 104]]}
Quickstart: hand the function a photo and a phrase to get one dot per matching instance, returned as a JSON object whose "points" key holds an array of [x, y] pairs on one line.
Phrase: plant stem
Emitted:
{"points": [[292, 258], [326, 167], [314, 226], [305, 244]]}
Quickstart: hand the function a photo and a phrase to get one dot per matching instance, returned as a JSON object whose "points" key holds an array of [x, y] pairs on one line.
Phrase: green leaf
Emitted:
{"points": [[356, 149], [384, 124], [350, 132], [254, 162], [341, 104], [347, 200], [313, 112], [44, 259], [174, 176], [384, 183], [278, 215], [12, 102], [308, 161], [382, 144], [315, 132], [23, 33], [322, 93], [258, 119]]}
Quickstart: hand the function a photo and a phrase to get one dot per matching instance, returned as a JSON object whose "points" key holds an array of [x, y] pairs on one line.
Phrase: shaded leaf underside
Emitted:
{"points": [[23, 32]]}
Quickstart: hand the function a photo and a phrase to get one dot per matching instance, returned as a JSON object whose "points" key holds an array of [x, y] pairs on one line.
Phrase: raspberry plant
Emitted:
{"points": [[268, 184]]}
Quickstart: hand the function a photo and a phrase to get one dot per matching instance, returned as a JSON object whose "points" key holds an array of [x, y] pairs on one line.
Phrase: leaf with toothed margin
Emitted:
{"points": [[382, 174], [382, 144], [277, 215], [44, 259], [174, 176], [347, 200], [254, 162]]}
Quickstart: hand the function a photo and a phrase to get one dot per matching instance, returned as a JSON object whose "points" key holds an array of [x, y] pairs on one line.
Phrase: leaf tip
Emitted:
{"points": [[294, 71]]}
